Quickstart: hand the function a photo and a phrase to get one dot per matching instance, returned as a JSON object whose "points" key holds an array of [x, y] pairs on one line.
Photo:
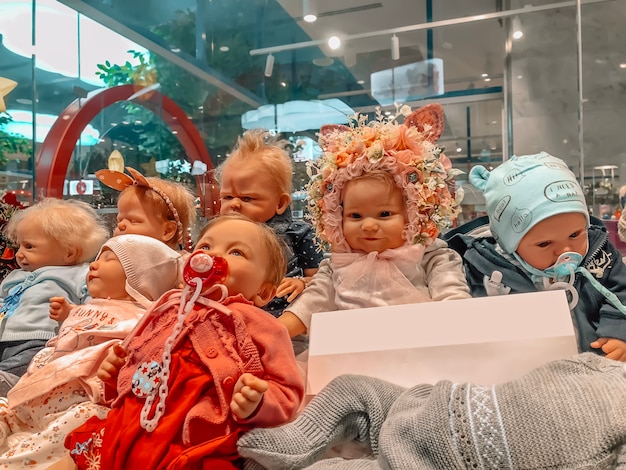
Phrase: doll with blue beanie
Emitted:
{"points": [[542, 239]]}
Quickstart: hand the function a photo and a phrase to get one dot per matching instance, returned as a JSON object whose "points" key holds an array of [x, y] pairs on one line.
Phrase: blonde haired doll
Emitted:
{"points": [[56, 239], [204, 366], [379, 199], [256, 181]]}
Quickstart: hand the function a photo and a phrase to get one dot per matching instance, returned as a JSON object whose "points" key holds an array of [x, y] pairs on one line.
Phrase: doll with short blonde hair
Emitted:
{"points": [[56, 239], [256, 181]]}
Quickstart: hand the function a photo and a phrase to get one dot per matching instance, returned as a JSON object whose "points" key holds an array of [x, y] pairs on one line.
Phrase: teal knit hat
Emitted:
{"points": [[525, 190]]}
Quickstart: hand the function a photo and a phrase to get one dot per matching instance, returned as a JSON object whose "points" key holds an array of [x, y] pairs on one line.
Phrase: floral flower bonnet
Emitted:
{"points": [[407, 151]]}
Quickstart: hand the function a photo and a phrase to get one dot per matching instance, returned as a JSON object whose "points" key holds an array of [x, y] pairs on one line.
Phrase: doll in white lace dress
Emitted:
{"points": [[378, 200]]}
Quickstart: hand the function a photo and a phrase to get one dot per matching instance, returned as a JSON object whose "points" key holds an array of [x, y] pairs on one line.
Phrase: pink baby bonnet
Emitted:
{"points": [[407, 151]]}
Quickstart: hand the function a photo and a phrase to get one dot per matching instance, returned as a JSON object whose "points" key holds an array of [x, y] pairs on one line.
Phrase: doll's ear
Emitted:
{"points": [[265, 294], [431, 115], [170, 230], [72, 255], [283, 203]]}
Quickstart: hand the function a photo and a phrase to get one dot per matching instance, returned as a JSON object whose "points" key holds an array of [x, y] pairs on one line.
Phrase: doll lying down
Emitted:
{"points": [[567, 414]]}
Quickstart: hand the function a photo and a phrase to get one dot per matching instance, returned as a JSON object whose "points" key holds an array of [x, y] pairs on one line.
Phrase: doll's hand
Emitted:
{"points": [[59, 308], [613, 348], [291, 285], [112, 364], [247, 395]]}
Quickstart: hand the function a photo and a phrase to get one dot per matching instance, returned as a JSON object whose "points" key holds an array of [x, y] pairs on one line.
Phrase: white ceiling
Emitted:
{"points": [[544, 69]]}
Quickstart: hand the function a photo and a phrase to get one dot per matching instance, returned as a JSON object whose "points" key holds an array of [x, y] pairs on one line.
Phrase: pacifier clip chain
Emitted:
{"points": [[151, 379]]}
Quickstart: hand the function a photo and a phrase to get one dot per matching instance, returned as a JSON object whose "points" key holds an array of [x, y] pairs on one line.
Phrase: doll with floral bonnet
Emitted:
{"points": [[378, 197]]}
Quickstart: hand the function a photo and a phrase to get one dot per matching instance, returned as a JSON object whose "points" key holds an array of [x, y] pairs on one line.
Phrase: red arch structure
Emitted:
{"points": [[57, 148]]}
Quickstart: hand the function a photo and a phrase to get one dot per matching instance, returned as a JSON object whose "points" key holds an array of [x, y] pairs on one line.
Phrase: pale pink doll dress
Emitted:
{"points": [[60, 390], [405, 275]]}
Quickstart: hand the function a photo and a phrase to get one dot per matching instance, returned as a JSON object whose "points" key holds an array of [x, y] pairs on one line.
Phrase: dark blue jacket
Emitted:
{"points": [[594, 317]]}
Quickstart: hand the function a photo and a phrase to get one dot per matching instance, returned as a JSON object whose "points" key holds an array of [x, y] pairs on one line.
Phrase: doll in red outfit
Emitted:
{"points": [[206, 365]]}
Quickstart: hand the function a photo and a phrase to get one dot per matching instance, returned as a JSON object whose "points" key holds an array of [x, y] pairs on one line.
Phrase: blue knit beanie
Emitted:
{"points": [[525, 190]]}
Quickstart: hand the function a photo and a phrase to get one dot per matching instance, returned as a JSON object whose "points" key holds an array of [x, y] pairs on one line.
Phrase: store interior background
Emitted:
{"points": [[561, 87]]}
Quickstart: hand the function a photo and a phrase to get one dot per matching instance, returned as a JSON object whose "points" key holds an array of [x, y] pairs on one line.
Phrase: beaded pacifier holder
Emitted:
{"points": [[203, 274]]}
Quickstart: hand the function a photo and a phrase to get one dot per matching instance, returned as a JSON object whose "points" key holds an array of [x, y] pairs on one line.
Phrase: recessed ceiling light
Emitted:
{"points": [[175, 50], [24, 101], [360, 82], [323, 62], [224, 48], [622, 66], [334, 42]]}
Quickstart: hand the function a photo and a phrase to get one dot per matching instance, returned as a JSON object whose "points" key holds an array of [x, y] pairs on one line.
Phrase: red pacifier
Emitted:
{"points": [[209, 269]]}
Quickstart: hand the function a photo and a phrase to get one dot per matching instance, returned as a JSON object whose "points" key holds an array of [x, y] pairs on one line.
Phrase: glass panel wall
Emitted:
{"points": [[231, 65]]}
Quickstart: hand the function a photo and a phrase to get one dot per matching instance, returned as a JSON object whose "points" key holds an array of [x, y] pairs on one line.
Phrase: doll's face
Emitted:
{"points": [[250, 190], [106, 278], [552, 237], [374, 216], [136, 216], [37, 249], [241, 243]]}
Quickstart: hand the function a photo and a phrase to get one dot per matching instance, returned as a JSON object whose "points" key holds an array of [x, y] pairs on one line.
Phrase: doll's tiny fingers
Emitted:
{"points": [[119, 350]]}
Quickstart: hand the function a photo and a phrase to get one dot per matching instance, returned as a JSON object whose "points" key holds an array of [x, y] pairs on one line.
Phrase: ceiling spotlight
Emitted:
{"points": [[334, 42], [309, 10], [269, 65], [395, 47], [458, 148], [516, 28]]}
